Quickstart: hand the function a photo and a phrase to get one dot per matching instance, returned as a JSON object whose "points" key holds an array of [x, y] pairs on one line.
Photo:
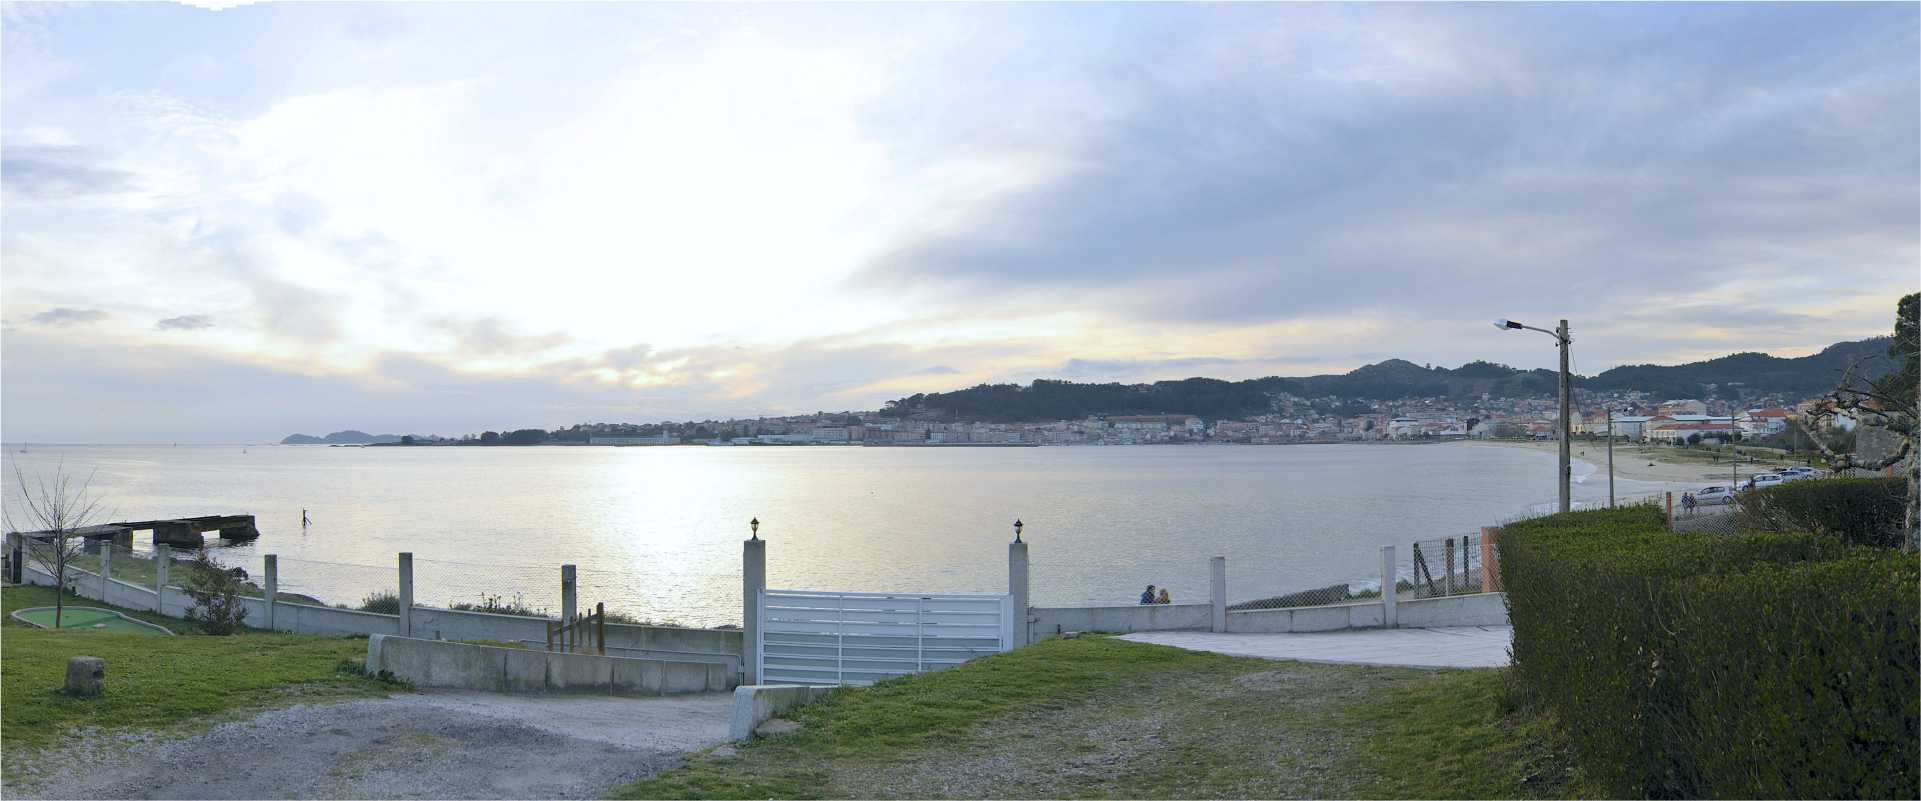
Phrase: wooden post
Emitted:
{"points": [[1448, 560], [550, 636], [1670, 502], [600, 627], [1490, 567]]}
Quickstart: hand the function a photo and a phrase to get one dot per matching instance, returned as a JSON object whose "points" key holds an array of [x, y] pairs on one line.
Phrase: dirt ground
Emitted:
{"points": [[421, 745]]}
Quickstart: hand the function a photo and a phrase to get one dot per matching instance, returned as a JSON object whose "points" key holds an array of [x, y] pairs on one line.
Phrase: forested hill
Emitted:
{"points": [[1745, 374]]}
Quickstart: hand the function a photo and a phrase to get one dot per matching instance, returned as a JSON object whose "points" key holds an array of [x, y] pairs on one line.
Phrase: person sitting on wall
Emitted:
{"points": [[1148, 596], [1163, 599]]}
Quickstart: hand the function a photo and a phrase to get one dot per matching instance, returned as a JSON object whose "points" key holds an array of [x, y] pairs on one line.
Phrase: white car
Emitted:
{"points": [[1762, 481], [1714, 496], [1798, 473]]}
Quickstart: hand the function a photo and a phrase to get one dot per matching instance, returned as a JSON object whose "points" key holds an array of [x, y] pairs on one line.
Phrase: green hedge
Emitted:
{"points": [[1645, 644], [1863, 511]]}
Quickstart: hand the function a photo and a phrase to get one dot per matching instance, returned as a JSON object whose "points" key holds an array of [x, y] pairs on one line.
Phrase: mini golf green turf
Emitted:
{"points": [[85, 618]]}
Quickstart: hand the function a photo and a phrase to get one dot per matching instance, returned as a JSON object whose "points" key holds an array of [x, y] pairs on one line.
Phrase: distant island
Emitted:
{"points": [[348, 437]]}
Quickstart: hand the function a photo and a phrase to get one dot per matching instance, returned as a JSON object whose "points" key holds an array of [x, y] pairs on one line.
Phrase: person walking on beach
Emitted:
{"points": [[1148, 596], [1163, 599]]}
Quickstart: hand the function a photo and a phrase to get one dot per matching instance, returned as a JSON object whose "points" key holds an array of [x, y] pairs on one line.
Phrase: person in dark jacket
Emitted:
{"points": [[1148, 596]]}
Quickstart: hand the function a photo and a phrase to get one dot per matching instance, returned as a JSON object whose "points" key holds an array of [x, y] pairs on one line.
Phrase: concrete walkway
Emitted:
{"points": [[1452, 647]]}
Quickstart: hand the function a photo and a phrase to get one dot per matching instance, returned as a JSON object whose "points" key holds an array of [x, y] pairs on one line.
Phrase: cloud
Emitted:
{"points": [[55, 172], [186, 322], [493, 336], [64, 316]]}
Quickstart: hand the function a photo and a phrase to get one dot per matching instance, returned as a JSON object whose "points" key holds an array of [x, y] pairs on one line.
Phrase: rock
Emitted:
{"points": [[777, 727], [723, 752], [86, 676], [1069, 635]]}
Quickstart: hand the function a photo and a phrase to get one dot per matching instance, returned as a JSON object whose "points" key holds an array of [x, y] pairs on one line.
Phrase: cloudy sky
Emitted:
{"points": [[231, 225]]}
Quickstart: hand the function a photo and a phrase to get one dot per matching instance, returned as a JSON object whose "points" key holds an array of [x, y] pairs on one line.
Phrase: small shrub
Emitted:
{"points": [[384, 602], [498, 605], [1858, 511], [215, 591]]}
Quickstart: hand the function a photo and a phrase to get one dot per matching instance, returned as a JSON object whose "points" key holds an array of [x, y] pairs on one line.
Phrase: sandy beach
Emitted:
{"points": [[1638, 463]]}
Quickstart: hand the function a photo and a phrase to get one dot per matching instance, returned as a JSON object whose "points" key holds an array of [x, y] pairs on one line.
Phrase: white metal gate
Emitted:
{"points": [[862, 637]]}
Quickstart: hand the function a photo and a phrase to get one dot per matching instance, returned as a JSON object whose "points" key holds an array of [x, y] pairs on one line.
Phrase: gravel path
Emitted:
{"points": [[424, 745]]}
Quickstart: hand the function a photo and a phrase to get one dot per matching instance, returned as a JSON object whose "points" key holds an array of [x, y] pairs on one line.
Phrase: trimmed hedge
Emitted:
{"points": [[1862, 511], [1686, 665]]}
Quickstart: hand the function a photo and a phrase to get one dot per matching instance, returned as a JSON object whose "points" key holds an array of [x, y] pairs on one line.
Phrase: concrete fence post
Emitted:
{"points": [[1670, 502], [1217, 591], [569, 594], [406, 594], [16, 555], [1490, 568], [753, 581], [162, 558], [106, 569], [272, 565], [1017, 590], [1389, 586]]}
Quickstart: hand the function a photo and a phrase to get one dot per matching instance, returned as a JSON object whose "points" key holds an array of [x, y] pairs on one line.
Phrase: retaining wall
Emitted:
{"points": [[1050, 621], [755, 704], [714, 646], [1306, 618], [1479, 609], [488, 668]]}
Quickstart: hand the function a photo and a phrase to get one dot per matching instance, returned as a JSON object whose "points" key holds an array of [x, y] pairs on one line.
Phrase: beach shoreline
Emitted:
{"points": [[1638, 463]]}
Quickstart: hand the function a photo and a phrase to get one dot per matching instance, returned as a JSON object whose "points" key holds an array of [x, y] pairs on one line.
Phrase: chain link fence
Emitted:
{"points": [[1449, 566]]}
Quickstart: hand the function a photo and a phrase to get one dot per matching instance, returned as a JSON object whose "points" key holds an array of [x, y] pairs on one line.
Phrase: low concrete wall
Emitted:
{"points": [[1050, 621], [434, 663], [1479, 609], [755, 704], [1482, 609], [1305, 618]]}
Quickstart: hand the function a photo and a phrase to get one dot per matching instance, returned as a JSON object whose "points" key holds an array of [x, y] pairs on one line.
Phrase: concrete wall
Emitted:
{"points": [[755, 704], [434, 663], [1050, 621], [1480, 609], [1306, 618], [715, 646]]}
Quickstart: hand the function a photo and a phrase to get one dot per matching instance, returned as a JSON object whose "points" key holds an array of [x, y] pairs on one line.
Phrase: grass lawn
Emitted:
{"points": [[1099, 717], [157, 682], [85, 617]]}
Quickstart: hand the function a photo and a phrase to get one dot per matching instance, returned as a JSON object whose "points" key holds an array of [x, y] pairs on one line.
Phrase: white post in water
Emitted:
{"points": [[1388, 582], [106, 568], [162, 557], [1217, 591], [1017, 585], [407, 594], [272, 565], [753, 581], [569, 594]]}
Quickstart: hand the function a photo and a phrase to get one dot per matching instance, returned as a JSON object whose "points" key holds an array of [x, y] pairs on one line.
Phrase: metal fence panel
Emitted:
{"points": [[860, 638]]}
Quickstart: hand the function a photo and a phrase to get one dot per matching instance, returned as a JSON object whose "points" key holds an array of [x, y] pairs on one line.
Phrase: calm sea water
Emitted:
{"points": [[656, 531]]}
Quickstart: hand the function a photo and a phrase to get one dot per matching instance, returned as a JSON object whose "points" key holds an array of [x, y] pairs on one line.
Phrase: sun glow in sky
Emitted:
{"points": [[229, 225]]}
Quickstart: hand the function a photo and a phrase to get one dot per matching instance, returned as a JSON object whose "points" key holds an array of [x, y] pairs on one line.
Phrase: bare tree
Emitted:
{"points": [[1891, 402], [54, 511]]}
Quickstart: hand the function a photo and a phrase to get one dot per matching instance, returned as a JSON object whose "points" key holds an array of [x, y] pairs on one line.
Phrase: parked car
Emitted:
{"points": [[1762, 481], [1714, 496], [1801, 472]]}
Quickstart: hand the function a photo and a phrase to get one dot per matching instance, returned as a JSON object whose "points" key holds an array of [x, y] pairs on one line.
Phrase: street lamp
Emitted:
{"points": [[1561, 340], [1017, 529]]}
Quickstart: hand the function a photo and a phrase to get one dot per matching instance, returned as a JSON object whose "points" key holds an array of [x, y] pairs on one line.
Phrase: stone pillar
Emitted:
{"points": [[1490, 566], [162, 558], [407, 594], [753, 580], [1217, 591], [1388, 587], [272, 565], [106, 569], [16, 554], [569, 594], [1017, 590]]}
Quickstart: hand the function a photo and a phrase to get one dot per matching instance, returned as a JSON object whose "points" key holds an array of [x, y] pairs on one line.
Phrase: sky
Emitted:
{"points": [[229, 225]]}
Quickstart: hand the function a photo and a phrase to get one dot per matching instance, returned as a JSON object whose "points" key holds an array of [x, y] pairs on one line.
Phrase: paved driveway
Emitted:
{"points": [[433, 744], [1454, 646]]}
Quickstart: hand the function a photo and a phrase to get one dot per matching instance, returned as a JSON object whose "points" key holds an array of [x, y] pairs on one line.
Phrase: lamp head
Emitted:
{"points": [[1505, 324], [1017, 529], [754, 526]]}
